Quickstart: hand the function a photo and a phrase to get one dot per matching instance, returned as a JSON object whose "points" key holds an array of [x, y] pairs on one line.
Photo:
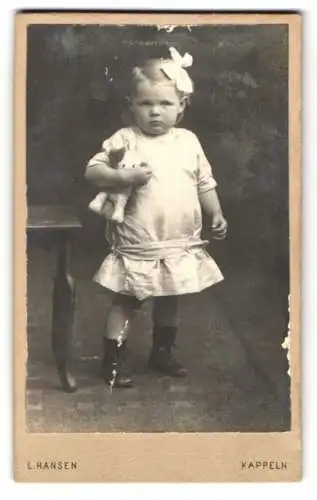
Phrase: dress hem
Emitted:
{"points": [[158, 294]]}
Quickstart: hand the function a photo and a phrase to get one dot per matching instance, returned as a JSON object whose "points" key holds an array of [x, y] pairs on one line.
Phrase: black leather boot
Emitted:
{"points": [[161, 358], [113, 371]]}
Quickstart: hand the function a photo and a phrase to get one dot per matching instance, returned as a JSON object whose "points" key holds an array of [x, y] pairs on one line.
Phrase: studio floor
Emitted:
{"points": [[237, 379]]}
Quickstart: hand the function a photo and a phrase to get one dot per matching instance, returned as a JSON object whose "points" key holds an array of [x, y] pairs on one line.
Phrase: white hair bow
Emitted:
{"points": [[174, 70]]}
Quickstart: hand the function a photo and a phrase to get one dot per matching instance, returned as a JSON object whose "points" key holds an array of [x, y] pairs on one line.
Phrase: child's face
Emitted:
{"points": [[156, 107]]}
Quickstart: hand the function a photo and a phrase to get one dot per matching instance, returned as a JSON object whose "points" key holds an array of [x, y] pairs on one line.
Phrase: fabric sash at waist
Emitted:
{"points": [[158, 250]]}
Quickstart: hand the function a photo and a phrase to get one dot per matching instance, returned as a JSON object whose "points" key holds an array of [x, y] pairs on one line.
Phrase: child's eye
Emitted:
{"points": [[149, 103], [145, 103]]}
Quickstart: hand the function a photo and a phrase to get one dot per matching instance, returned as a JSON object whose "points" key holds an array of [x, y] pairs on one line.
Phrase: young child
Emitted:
{"points": [[157, 250]]}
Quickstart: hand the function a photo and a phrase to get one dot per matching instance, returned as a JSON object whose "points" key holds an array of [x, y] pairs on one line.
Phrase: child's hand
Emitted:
{"points": [[137, 176], [219, 227]]}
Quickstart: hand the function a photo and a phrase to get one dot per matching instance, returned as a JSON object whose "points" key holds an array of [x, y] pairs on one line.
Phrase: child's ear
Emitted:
{"points": [[183, 103]]}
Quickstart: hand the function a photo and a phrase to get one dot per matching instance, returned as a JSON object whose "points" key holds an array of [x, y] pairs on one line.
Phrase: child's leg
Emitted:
{"points": [[165, 311], [118, 323], [119, 318], [165, 325]]}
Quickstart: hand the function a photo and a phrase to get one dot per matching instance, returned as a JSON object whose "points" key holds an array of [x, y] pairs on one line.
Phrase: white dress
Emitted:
{"points": [[157, 250]]}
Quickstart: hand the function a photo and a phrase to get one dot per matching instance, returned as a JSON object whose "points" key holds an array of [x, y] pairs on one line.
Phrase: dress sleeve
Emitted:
{"points": [[205, 178], [116, 141]]}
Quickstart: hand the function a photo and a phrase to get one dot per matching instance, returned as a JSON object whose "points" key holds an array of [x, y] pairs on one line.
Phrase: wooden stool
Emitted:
{"points": [[56, 225]]}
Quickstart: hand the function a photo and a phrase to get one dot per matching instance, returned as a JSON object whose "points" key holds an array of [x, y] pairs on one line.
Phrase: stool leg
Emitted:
{"points": [[63, 316]]}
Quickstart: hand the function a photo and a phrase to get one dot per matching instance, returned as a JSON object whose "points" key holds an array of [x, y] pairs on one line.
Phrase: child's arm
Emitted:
{"points": [[208, 197], [102, 168], [105, 177], [211, 208]]}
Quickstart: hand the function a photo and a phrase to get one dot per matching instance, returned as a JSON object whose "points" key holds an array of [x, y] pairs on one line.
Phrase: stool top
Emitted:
{"points": [[52, 217]]}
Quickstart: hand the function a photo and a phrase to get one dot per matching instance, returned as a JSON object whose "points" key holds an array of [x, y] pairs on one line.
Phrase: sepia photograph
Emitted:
{"points": [[159, 221]]}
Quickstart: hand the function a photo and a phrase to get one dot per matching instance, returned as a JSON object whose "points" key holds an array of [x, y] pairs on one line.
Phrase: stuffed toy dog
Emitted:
{"points": [[112, 205]]}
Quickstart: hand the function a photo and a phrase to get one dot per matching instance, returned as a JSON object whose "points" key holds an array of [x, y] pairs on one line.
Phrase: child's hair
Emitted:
{"points": [[163, 69], [155, 70], [151, 71]]}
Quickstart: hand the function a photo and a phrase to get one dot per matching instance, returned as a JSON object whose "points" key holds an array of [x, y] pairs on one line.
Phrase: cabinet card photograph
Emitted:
{"points": [[157, 247]]}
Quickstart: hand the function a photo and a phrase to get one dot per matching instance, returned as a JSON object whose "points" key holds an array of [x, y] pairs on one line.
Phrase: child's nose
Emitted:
{"points": [[155, 110]]}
